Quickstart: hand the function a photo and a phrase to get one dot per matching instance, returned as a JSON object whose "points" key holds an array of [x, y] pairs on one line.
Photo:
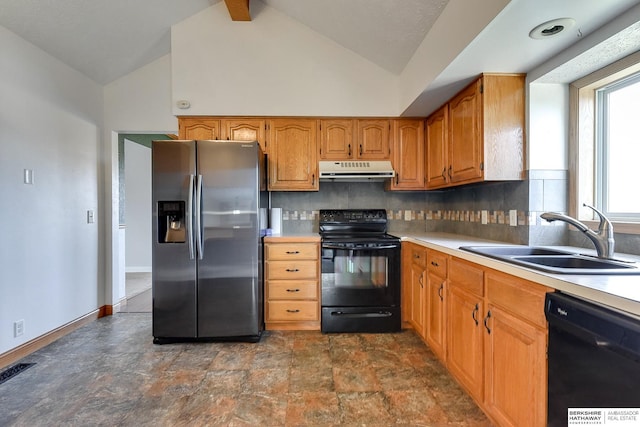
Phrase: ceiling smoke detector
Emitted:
{"points": [[551, 28]]}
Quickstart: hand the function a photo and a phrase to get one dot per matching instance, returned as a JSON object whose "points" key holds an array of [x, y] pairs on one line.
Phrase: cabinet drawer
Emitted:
{"points": [[418, 255], [518, 296], [292, 290], [292, 270], [292, 311], [437, 263], [288, 251], [466, 276]]}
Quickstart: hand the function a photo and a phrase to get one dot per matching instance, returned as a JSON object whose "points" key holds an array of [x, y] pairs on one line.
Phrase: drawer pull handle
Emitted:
{"points": [[435, 264], [416, 256], [440, 291], [293, 311], [293, 290], [292, 270], [293, 252]]}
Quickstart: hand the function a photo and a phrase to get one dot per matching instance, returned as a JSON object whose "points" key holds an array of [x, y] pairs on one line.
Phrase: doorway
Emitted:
{"points": [[135, 215]]}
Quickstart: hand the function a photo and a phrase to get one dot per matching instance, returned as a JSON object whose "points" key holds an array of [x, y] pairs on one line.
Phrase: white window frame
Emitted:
{"points": [[582, 140]]}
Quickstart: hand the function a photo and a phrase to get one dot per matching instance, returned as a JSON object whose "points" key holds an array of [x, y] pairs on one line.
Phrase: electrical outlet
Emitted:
{"points": [[513, 217], [18, 328], [484, 217]]}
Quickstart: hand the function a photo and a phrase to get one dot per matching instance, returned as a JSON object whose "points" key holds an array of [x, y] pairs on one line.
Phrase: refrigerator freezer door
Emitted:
{"points": [[174, 266], [228, 277]]}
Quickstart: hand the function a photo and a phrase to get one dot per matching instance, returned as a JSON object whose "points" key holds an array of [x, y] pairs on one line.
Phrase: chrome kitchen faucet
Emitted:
{"points": [[602, 239]]}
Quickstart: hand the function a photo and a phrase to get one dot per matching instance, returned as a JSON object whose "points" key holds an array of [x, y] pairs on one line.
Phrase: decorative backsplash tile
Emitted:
{"points": [[493, 217]]}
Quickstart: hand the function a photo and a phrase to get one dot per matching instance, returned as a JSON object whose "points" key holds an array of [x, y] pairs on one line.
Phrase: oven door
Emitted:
{"points": [[362, 274]]}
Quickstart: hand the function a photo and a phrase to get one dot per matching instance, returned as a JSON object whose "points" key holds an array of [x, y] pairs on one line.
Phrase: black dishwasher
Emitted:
{"points": [[594, 363]]}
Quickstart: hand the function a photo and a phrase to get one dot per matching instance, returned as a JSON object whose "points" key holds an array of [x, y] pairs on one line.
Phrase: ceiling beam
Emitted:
{"points": [[238, 9]]}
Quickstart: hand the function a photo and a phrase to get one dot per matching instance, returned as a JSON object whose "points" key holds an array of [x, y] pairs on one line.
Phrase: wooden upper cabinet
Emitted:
{"points": [[373, 139], [336, 139], [293, 161], [484, 138], [198, 128], [245, 130], [408, 154], [465, 135], [437, 158]]}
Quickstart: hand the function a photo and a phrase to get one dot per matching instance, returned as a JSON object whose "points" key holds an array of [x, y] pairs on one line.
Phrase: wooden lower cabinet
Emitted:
{"points": [[435, 333], [490, 331], [414, 287], [465, 330], [515, 351], [292, 284]]}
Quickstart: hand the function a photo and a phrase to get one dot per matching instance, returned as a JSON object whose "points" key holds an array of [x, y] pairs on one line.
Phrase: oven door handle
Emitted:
{"points": [[372, 248], [356, 315]]}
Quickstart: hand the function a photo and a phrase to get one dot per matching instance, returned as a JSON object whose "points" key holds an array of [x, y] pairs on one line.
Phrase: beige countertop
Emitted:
{"points": [[618, 291], [621, 292]]}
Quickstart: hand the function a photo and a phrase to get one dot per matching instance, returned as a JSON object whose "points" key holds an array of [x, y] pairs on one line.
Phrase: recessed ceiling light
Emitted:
{"points": [[551, 28]]}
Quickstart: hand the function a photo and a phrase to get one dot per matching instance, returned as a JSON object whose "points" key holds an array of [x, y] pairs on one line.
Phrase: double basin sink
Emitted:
{"points": [[554, 261]]}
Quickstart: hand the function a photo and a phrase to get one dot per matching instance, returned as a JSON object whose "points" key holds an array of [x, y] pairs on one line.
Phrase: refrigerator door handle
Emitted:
{"points": [[198, 215], [189, 215]]}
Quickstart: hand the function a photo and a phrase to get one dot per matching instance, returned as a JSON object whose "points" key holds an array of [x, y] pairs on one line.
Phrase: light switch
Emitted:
{"points": [[90, 219], [28, 176]]}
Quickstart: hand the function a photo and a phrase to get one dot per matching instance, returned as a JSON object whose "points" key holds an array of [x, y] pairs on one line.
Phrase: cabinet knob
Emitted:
{"points": [[435, 264]]}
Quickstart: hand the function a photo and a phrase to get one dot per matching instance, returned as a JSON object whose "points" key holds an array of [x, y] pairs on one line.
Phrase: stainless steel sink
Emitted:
{"points": [[553, 260]]}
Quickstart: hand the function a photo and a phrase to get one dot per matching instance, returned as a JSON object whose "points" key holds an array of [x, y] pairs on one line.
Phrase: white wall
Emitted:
{"points": [[139, 102], [548, 126], [137, 171], [50, 119], [272, 66]]}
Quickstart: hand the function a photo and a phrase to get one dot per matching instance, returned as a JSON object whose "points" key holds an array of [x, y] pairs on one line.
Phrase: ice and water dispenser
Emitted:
{"points": [[171, 221]]}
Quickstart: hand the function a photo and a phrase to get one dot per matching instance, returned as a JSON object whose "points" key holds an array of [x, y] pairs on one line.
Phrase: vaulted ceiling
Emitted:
{"points": [[108, 39]]}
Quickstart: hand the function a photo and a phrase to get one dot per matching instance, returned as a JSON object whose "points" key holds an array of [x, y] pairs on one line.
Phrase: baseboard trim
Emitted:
{"points": [[37, 343]]}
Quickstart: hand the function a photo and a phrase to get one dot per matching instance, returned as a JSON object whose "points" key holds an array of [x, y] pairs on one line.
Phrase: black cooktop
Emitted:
{"points": [[353, 222]]}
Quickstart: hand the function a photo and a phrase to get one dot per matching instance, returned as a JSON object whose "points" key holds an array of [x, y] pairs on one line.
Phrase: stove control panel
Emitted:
{"points": [[345, 216]]}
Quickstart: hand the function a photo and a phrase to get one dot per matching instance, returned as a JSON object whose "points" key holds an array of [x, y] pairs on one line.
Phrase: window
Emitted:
{"points": [[617, 148], [605, 144]]}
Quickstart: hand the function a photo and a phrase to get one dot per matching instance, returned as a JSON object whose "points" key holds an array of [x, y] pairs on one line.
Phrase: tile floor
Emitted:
{"points": [[110, 373]]}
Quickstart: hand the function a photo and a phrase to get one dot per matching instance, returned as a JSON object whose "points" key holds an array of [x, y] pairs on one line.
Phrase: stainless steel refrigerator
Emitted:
{"points": [[209, 214]]}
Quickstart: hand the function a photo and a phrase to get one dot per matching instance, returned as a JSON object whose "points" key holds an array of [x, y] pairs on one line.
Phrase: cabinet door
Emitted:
{"points": [[408, 154], [435, 314], [245, 130], [437, 148], [418, 298], [292, 155], [465, 135], [373, 139], [199, 128], [464, 339], [336, 139], [516, 370]]}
